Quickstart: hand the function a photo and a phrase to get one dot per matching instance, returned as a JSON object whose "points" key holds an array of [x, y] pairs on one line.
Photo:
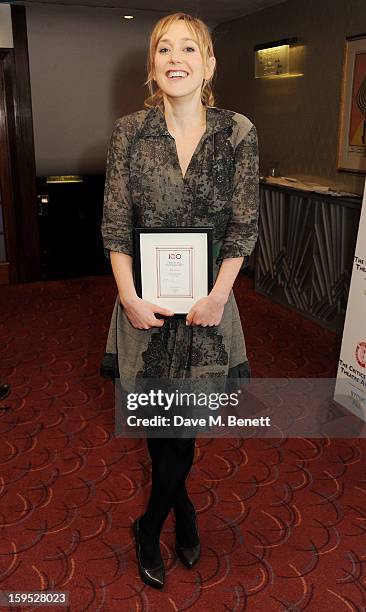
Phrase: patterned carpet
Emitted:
{"points": [[282, 522]]}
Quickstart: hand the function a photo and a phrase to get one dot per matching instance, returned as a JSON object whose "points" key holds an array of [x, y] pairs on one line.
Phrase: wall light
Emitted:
{"points": [[272, 59], [127, 16], [69, 178]]}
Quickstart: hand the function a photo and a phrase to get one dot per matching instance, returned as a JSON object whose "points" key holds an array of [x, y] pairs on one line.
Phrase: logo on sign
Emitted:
{"points": [[361, 354]]}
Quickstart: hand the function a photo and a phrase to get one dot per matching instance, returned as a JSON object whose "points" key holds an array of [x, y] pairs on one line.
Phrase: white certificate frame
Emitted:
{"points": [[173, 267]]}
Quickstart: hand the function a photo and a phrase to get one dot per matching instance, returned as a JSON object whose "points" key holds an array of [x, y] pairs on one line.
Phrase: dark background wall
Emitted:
{"points": [[87, 67], [297, 118]]}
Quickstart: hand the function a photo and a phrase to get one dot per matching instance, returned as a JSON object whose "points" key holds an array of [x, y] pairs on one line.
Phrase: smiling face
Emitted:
{"points": [[179, 68]]}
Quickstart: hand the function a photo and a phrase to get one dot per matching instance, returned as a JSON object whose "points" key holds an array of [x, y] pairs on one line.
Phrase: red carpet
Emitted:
{"points": [[282, 522]]}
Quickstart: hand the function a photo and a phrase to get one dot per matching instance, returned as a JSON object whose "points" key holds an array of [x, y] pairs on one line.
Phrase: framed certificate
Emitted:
{"points": [[173, 267]]}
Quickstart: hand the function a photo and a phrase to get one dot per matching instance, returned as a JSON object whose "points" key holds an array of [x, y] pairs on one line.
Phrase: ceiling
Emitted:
{"points": [[212, 11]]}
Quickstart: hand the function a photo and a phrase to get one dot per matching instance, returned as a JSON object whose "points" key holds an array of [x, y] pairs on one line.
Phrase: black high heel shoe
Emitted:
{"points": [[155, 576], [188, 555], [4, 390]]}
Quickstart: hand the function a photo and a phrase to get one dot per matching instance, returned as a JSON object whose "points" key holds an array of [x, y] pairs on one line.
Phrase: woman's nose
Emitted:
{"points": [[175, 55]]}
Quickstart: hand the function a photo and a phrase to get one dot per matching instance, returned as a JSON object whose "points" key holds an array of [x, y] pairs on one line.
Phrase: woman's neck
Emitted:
{"points": [[185, 116]]}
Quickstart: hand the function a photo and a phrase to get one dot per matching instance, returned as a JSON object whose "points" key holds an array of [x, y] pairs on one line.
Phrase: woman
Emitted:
{"points": [[181, 162]]}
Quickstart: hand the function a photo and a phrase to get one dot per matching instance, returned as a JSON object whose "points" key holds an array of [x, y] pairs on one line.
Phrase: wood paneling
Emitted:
{"points": [[20, 126], [17, 166], [8, 272]]}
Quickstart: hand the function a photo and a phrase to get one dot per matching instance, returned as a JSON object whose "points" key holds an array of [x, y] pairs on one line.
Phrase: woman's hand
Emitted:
{"points": [[141, 313], [207, 311]]}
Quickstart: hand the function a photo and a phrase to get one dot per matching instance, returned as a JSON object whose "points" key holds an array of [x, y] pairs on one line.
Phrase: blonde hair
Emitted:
{"points": [[202, 33]]}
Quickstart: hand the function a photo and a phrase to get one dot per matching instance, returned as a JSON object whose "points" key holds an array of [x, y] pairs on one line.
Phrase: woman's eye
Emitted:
{"points": [[190, 49], [163, 50]]}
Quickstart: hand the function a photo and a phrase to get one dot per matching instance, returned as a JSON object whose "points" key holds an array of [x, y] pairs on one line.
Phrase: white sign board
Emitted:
{"points": [[350, 389]]}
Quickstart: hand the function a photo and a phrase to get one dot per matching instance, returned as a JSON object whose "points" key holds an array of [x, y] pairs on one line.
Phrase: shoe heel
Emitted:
{"points": [[153, 577], [189, 555]]}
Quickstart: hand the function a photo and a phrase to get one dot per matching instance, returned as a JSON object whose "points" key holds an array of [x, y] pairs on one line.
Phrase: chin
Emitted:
{"points": [[174, 93]]}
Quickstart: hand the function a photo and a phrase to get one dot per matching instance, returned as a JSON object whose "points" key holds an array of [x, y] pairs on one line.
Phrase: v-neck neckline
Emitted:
{"points": [[216, 121], [196, 150], [194, 154]]}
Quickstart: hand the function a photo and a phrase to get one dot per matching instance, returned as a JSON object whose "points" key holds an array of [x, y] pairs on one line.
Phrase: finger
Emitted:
{"points": [[157, 321], [164, 311], [195, 318], [160, 310]]}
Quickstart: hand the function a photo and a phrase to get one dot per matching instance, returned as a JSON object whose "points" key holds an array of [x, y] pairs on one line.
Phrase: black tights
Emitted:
{"points": [[171, 459]]}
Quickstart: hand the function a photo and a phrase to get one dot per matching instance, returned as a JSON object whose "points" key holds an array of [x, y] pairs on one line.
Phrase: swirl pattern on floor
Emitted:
{"points": [[282, 522]]}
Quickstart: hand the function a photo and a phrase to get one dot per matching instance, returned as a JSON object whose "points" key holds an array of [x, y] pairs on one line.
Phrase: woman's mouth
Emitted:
{"points": [[177, 74]]}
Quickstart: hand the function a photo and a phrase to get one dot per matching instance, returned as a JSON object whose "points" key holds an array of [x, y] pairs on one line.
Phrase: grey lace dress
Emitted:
{"points": [[145, 187]]}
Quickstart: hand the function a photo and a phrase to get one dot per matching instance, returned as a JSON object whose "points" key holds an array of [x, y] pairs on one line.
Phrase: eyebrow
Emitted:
{"points": [[184, 39]]}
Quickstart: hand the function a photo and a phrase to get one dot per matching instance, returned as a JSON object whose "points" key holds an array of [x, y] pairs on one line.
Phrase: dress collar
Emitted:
{"points": [[217, 119]]}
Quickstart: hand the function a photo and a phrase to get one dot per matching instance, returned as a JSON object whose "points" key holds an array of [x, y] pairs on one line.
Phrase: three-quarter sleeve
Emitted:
{"points": [[117, 223], [242, 229]]}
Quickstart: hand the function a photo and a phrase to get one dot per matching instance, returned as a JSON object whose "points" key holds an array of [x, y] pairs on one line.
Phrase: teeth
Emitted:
{"points": [[177, 73]]}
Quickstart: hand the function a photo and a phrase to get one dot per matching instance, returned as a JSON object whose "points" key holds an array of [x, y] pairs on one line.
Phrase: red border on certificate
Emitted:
{"points": [[190, 250]]}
